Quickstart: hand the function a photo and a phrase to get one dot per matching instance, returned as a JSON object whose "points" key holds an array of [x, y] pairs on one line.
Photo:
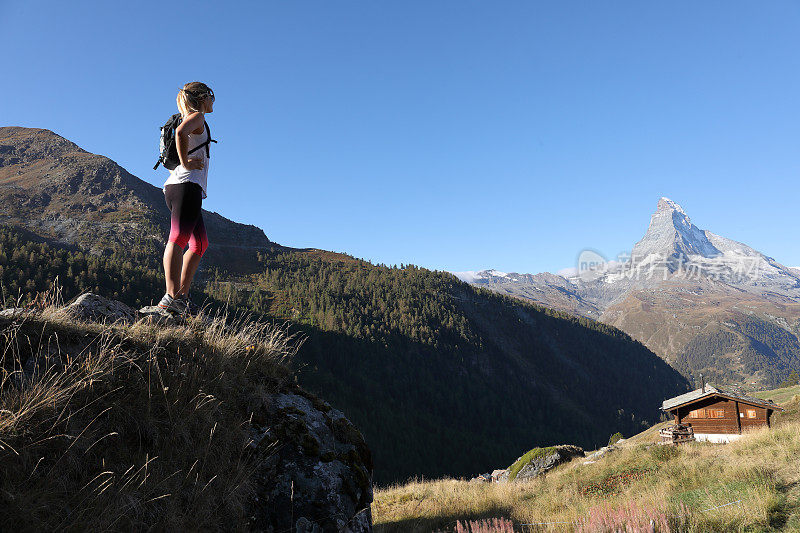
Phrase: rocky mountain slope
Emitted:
{"points": [[702, 302], [63, 193]]}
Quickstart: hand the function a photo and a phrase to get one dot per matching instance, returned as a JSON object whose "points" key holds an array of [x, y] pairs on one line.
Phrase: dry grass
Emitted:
{"points": [[676, 488], [113, 427], [779, 396]]}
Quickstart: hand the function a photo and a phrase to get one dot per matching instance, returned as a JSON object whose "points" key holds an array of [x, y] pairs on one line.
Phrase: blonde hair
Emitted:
{"points": [[190, 98]]}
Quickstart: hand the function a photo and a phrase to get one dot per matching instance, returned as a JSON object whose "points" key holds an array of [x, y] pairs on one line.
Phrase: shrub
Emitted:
{"points": [[631, 516]]}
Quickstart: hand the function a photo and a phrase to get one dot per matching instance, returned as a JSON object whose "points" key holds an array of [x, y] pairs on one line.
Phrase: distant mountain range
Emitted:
{"points": [[443, 378], [702, 302]]}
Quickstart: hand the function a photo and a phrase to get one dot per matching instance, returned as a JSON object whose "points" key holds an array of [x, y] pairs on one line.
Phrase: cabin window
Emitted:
{"points": [[751, 413], [716, 413], [697, 413]]}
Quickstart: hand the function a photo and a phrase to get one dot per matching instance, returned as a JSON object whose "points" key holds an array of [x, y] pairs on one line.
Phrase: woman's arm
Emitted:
{"points": [[192, 123]]}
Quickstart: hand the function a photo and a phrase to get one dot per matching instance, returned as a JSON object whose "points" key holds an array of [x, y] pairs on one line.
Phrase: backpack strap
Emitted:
{"points": [[209, 140], [206, 143]]}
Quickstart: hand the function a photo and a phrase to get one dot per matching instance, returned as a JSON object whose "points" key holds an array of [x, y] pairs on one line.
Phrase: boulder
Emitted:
{"points": [[547, 459], [96, 308], [317, 471], [155, 315]]}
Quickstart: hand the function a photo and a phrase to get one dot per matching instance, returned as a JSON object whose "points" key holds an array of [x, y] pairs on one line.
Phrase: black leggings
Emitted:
{"points": [[184, 201]]}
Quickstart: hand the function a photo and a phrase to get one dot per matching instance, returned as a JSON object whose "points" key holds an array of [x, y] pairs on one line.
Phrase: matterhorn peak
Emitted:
{"points": [[665, 204], [672, 234]]}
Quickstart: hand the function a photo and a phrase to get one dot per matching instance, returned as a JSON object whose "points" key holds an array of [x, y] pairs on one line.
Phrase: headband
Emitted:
{"points": [[198, 95]]}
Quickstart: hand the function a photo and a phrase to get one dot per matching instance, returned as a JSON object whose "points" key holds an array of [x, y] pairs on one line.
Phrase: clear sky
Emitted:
{"points": [[455, 135]]}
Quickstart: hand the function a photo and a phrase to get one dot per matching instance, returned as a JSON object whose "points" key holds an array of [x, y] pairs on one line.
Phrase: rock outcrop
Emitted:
{"points": [[594, 457], [540, 465], [314, 469], [538, 461], [90, 306], [321, 469]]}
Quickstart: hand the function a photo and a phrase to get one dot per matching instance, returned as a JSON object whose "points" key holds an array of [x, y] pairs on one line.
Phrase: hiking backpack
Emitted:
{"points": [[169, 148]]}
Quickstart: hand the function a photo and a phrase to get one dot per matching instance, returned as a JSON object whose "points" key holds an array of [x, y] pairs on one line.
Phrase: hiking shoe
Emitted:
{"points": [[173, 306]]}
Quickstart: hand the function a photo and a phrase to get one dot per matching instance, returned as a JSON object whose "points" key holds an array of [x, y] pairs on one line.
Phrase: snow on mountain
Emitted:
{"points": [[672, 248], [472, 276], [569, 272], [704, 303], [671, 232], [728, 246]]}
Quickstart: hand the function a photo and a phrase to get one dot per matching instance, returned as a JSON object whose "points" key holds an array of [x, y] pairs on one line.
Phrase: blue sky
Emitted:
{"points": [[455, 135]]}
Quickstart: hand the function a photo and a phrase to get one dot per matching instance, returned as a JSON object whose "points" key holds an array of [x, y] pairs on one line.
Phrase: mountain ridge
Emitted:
{"points": [[707, 275], [88, 198]]}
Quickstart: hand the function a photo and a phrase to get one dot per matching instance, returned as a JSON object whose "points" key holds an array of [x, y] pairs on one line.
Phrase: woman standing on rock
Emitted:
{"points": [[184, 191]]}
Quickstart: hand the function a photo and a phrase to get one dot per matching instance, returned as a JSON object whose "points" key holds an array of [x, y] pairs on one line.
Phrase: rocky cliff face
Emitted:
{"points": [[672, 234], [324, 475]]}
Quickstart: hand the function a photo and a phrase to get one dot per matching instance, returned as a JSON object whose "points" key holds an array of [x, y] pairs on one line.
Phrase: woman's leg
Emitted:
{"points": [[183, 200], [190, 263], [198, 243], [173, 256]]}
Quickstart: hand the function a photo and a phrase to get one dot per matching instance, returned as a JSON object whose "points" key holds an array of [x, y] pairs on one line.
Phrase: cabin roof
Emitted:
{"points": [[710, 390]]}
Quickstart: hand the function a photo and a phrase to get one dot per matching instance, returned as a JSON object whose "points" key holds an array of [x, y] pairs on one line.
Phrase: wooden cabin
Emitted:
{"points": [[718, 415]]}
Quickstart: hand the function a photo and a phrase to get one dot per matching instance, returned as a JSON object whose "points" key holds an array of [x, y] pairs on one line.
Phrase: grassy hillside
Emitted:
{"points": [[685, 488], [132, 428], [781, 395]]}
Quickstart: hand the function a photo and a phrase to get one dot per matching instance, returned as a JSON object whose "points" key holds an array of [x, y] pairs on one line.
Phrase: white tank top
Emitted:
{"points": [[181, 174]]}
